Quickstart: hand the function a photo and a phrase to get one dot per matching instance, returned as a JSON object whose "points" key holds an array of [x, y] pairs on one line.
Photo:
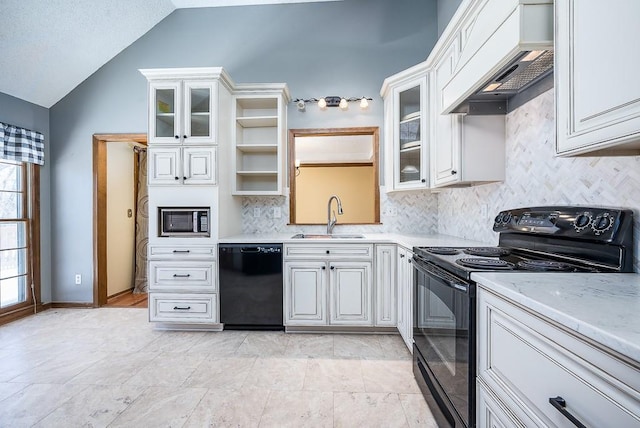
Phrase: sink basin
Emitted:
{"points": [[321, 236]]}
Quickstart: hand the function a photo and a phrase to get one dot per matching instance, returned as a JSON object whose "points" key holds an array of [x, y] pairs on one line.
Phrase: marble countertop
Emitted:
{"points": [[408, 241], [602, 307]]}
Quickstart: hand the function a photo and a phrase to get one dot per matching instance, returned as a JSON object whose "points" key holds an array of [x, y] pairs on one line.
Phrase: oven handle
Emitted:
{"points": [[431, 269]]}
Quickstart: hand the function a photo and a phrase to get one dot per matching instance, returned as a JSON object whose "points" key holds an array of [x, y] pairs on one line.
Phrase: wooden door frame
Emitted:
{"points": [[100, 209]]}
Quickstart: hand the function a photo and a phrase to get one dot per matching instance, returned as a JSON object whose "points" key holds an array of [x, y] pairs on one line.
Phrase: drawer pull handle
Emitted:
{"points": [[177, 275], [181, 251], [181, 308], [560, 404]]}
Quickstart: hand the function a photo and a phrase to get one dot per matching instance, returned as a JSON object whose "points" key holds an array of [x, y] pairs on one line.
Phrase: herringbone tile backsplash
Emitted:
{"points": [[535, 176]]}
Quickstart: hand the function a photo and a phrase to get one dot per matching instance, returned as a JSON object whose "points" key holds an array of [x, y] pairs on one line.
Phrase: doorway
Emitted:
{"points": [[102, 289]]}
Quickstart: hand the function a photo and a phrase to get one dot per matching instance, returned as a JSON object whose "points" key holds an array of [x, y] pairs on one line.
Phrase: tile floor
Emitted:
{"points": [[108, 367]]}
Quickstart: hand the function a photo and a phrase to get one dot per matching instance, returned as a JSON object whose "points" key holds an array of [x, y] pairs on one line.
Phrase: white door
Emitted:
{"points": [[199, 165], [305, 293], [385, 286], [165, 113], [164, 165], [199, 112], [350, 293], [447, 127]]}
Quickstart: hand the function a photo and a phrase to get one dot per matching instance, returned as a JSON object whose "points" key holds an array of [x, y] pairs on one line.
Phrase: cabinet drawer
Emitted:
{"points": [[197, 276], [180, 308], [181, 252], [329, 251], [517, 356]]}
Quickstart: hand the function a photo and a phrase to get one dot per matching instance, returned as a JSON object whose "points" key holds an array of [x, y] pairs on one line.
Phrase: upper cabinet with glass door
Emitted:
{"points": [[183, 104], [406, 132]]}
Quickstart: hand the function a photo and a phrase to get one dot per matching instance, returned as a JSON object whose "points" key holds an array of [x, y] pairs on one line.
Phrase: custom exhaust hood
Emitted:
{"points": [[506, 58]]}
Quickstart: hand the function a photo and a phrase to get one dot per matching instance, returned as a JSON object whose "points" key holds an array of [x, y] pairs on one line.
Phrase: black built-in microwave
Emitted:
{"points": [[184, 221]]}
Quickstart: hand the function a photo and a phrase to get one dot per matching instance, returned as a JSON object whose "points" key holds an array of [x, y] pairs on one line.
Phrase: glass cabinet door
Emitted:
{"points": [[199, 119], [410, 136], [165, 113]]}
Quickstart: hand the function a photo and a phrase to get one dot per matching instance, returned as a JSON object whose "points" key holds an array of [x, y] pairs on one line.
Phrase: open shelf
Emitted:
{"points": [[257, 121], [257, 148]]}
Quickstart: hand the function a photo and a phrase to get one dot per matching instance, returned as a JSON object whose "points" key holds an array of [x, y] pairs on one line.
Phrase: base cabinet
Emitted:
{"points": [[328, 285], [527, 362], [385, 288], [405, 296]]}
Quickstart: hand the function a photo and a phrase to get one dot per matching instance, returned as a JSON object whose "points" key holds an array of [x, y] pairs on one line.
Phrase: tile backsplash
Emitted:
{"points": [[535, 176], [409, 213]]}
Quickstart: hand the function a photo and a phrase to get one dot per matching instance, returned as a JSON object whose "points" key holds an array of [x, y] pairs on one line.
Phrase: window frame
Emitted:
{"points": [[31, 213]]}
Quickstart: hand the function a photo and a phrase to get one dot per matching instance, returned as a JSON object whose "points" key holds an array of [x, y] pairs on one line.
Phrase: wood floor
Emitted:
{"points": [[127, 300]]}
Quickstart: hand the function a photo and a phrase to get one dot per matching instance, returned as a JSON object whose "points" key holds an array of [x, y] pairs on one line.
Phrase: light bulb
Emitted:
{"points": [[344, 104], [300, 105], [322, 103], [364, 103]]}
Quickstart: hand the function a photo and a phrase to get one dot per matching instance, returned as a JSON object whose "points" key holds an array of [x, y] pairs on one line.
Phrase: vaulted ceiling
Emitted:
{"points": [[47, 48]]}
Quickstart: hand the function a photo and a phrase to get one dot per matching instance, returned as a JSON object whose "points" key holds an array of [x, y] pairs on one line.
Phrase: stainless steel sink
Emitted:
{"points": [[324, 236]]}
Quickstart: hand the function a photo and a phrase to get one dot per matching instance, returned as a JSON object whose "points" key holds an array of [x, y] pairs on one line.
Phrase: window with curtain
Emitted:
{"points": [[20, 152]]}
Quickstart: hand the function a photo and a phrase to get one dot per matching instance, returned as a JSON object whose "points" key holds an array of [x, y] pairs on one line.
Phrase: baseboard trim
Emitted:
{"points": [[72, 305], [22, 313], [120, 293]]}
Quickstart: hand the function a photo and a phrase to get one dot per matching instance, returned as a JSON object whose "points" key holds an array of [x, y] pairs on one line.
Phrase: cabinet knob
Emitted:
{"points": [[177, 137], [324, 267], [333, 267], [402, 256], [184, 178], [424, 180], [184, 136], [328, 252], [176, 178], [454, 172]]}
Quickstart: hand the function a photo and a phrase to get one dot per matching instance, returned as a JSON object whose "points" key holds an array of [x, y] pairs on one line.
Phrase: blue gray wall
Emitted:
{"points": [[446, 10], [342, 48], [17, 112]]}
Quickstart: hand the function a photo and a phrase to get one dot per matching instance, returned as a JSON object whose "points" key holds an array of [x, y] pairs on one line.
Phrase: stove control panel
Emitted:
{"points": [[573, 222]]}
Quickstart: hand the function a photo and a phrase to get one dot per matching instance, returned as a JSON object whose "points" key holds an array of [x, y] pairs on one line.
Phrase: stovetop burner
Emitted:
{"points": [[493, 264], [544, 266], [487, 251], [445, 251]]}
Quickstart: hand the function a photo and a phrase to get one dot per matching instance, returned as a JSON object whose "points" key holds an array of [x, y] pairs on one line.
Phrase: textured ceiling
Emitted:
{"points": [[48, 47]]}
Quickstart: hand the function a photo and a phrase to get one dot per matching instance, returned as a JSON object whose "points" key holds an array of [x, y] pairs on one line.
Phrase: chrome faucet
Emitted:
{"points": [[332, 222]]}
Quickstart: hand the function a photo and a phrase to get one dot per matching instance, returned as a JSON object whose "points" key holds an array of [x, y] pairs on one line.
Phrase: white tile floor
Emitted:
{"points": [[108, 367]]}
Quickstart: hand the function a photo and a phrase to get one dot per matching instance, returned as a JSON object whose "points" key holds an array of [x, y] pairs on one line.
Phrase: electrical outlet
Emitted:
{"points": [[78, 279], [277, 212], [256, 212]]}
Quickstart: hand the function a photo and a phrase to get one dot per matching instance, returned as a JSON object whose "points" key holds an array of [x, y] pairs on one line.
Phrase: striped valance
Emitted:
{"points": [[21, 144]]}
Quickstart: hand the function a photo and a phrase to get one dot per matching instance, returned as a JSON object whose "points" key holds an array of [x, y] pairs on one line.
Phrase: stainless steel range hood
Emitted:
{"points": [[506, 57]]}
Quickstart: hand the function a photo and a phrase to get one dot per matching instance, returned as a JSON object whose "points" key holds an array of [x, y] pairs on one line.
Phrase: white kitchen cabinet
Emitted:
{"points": [[386, 286], [525, 361], [183, 287], [259, 135], [465, 150], [405, 296], [182, 111], [350, 288], [406, 129], [305, 290], [596, 90], [182, 165], [328, 285]]}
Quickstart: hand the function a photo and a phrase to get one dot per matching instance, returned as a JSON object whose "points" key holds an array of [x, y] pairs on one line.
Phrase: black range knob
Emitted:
{"points": [[602, 223], [506, 219], [498, 219], [582, 221]]}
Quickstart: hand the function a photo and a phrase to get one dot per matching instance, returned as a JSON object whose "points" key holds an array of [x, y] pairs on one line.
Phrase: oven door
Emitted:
{"points": [[444, 338]]}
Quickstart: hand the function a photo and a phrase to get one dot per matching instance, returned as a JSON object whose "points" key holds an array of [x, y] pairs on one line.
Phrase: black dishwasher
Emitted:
{"points": [[251, 286]]}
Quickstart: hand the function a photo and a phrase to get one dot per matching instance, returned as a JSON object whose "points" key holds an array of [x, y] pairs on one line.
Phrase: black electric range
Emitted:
{"points": [[541, 239]]}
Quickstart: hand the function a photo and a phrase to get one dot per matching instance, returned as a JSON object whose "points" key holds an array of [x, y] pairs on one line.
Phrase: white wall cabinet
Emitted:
{"points": [[464, 149], [405, 296], [406, 129], [386, 286], [182, 111], [328, 285], [598, 388], [182, 165], [259, 135], [597, 93]]}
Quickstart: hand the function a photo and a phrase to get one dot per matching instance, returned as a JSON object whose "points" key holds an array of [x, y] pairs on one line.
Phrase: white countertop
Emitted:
{"points": [[602, 307], [408, 241]]}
